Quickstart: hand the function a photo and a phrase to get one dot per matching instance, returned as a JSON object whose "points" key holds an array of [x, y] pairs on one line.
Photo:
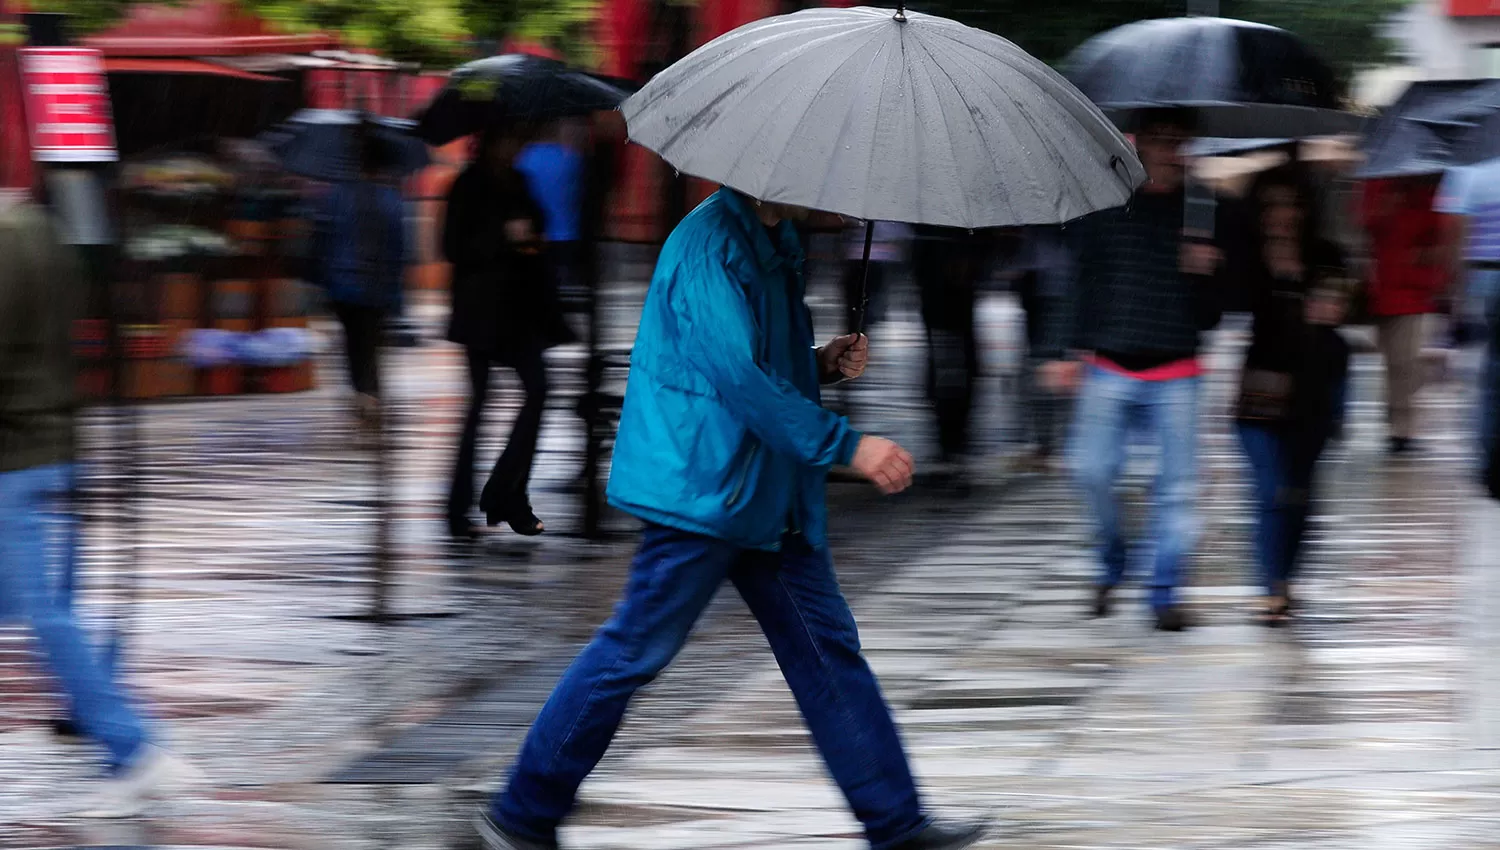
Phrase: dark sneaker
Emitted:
{"points": [[496, 837], [945, 836], [1172, 619]]}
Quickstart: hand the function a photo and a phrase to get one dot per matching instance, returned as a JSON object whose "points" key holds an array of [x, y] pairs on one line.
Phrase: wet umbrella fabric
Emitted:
{"points": [[1424, 131], [514, 87], [910, 118], [1241, 79], [322, 144]]}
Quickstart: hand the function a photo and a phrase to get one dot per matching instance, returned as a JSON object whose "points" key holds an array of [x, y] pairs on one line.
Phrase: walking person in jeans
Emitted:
{"points": [[1142, 297], [40, 290], [723, 450], [1298, 292]]}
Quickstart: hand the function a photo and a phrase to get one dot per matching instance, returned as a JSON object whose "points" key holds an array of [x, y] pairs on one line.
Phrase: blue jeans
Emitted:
{"points": [[1109, 405], [1281, 470], [796, 599], [29, 499]]}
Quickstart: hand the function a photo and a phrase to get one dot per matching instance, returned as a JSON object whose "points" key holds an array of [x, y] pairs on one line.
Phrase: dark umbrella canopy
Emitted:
{"points": [[324, 144], [1242, 79], [514, 87], [1431, 126]]}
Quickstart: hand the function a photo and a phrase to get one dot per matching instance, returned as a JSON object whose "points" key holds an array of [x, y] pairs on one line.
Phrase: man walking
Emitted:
{"points": [[723, 451], [1142, 296], [39, 289]]}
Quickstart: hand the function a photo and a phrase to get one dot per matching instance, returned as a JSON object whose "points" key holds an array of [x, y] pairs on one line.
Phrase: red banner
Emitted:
{"points": [[1473, 8], [67, 105]]}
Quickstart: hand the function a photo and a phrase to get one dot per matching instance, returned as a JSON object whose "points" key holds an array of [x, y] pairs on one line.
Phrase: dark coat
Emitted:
{"points": [[504, 296], [1313, 357]]}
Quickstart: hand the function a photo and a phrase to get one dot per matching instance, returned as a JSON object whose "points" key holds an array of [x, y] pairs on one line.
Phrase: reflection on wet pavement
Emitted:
{"points": [[1371, 725]]}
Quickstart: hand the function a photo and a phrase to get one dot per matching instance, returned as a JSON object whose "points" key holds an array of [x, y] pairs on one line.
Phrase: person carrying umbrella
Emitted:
{"points": [[1142, 296], [723, 447], [505, 311], [363, 258]]}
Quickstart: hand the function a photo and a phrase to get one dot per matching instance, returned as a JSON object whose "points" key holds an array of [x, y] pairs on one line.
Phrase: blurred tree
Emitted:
{"points": [[1347, 33], [435, 32]]}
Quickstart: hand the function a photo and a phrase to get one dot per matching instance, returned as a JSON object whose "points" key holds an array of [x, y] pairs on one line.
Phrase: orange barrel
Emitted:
{"points": [[150, 369]]}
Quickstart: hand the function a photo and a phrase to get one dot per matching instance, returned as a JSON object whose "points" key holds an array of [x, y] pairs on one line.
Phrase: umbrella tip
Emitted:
{"points": [[901, 12]]}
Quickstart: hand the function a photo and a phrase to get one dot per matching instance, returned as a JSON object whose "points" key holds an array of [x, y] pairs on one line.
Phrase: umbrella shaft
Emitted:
{"points": [[864, 282]]}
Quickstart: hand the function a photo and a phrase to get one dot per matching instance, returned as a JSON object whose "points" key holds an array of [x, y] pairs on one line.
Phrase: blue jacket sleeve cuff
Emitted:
{"points": [[847, 446]]}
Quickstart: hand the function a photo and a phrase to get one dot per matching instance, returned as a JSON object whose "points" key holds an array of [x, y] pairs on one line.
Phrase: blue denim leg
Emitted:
{"points": [[1173, 415], [1100, 436], [796, 599], [672, 579], [1263, 450], [27, 498]]}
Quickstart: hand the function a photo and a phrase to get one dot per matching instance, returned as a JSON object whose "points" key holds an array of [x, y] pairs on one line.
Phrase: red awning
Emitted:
{"points": [[114, 65], [201, 28]]}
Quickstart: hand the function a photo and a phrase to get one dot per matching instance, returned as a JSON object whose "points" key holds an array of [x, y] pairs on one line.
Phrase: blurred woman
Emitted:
{"points": [[506, 312], [364, 261], [1297, 292]]}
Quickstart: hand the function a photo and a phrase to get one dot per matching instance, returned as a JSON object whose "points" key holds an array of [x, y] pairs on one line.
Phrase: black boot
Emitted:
{"points": [[945, 836]]}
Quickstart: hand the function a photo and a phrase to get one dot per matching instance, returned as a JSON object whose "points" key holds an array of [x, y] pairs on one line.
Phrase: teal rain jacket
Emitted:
{"points": [[722, 431]]}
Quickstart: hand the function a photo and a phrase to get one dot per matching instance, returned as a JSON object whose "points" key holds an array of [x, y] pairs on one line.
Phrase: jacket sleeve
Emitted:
{"points": [[717, 334]]}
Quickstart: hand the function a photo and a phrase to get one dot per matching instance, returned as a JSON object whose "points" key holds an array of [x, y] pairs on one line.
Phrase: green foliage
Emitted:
{"points": [[434, 32]]}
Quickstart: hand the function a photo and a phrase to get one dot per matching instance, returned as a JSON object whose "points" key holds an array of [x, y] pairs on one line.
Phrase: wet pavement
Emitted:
{"points": [[1375, 723]]}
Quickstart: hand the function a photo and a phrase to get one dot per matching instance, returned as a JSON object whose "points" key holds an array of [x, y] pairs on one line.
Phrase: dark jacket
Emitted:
{"points": [[1129, 296], [363, 245], [1312, 357], [41, 290], [504, 297]]}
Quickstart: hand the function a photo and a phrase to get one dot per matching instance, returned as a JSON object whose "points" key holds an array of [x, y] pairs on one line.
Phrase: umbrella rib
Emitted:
{"points": [[853, 54], [978, 131]]}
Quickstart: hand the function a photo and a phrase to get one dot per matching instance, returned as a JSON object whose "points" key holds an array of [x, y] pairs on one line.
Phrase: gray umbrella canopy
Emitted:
{"points": [[876, 115]]}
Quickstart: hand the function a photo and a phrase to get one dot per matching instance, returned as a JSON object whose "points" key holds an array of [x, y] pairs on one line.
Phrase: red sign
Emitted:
{"points": [[1473, 8], [67, 105]]}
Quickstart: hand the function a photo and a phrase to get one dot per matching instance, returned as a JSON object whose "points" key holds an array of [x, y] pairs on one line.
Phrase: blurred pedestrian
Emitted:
{"points": [[1489, 405], [1472, 196], [364, 264], [1132, 322], [41, 288], [723, 452], [949, 266], [1298, 292], [554, 167], [1412, 248], [1044, 271], [505, 311]]}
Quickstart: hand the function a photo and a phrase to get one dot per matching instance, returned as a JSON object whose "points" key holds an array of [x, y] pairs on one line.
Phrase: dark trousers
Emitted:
{"points": [[952, 357], [362, 329], [796, 599], [506, 489], [1282, 462]]}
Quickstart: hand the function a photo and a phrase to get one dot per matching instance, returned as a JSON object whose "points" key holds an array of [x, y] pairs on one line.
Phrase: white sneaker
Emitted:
{"points": [[128, 794]]}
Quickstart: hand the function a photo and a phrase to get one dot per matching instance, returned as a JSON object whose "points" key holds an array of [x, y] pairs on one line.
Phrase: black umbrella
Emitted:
{"points": [[324, 144], [514, 87], [1243, 80], [1434, 124]]}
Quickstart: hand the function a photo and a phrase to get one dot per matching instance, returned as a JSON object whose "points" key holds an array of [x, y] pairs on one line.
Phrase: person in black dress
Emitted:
{"points": [[1297, 290], [506, 312]]}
